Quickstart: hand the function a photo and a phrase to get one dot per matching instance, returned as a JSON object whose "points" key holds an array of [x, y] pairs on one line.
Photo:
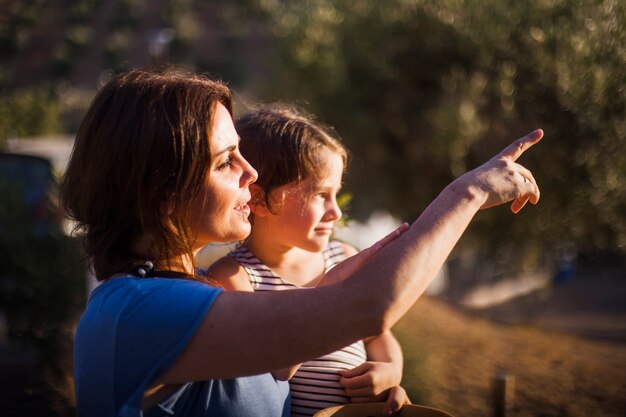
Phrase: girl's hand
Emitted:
{"points": [[396, 397], [502, 180], [368, 381]]}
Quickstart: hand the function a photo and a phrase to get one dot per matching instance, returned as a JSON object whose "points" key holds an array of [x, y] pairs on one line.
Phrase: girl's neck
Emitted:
{"points": [[271, 253], [297, 266]]}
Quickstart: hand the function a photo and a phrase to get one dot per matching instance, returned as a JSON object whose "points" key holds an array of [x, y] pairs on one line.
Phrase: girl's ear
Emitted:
{"points": [[257, 203]]}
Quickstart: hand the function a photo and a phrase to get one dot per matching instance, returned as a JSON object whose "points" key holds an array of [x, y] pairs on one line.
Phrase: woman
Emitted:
{"points": [[156, 174]]}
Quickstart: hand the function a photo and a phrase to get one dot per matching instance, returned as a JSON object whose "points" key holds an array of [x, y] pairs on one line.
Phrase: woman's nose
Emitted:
{"points": [[249, 174]]}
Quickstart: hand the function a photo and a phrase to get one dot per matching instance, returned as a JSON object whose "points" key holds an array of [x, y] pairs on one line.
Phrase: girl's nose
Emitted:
{"points": [[334, 212]]}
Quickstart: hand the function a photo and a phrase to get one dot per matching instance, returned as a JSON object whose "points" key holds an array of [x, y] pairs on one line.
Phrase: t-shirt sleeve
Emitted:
{"points": [[154, 329]]}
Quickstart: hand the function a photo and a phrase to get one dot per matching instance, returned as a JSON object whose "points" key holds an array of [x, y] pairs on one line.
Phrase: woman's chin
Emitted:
{"points": [[240, 233], [226, 236]]}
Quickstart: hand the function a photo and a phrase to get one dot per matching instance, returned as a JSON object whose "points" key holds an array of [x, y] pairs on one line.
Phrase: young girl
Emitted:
{"points": [[300, 165]]}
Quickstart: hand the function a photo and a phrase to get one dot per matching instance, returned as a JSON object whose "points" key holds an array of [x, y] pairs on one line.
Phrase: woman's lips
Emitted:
{"points": [[243, 209]]}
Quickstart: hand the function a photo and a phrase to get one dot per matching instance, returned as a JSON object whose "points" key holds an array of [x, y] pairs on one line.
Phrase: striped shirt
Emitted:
{"points": [[315, 385]]}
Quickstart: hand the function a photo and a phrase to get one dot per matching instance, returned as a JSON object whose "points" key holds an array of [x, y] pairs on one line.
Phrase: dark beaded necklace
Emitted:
{"points": [[146, 270]]}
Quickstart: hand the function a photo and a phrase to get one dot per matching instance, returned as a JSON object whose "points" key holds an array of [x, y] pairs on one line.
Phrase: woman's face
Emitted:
{"points": [[220, 212]]}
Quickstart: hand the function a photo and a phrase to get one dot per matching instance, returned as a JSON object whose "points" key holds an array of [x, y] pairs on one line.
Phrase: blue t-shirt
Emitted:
{"points": [[133, 330]]}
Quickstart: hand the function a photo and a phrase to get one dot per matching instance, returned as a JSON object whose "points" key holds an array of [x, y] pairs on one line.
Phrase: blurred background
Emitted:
{"points": [[420, 91]]}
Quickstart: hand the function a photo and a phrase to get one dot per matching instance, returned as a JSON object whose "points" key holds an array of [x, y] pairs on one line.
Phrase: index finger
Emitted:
{"points": [[353, 263], [517, 148], [391, 236]]}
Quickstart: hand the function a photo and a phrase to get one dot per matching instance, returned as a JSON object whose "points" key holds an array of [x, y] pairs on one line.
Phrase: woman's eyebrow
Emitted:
{"points": [[230, 148]]}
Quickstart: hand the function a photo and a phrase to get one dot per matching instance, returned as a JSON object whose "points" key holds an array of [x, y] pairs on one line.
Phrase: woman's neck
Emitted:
{"points": [[183, 263]]}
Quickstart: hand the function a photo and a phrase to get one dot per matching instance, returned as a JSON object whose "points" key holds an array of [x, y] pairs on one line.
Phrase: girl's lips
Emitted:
{"points": [[324, 230]]}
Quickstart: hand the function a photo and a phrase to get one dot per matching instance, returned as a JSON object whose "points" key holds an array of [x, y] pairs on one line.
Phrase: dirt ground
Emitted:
{"points": [[592, 303], [564, 350]]}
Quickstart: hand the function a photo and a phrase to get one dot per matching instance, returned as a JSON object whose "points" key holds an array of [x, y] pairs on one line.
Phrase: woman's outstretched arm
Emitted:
{"points": [[245, 333]]}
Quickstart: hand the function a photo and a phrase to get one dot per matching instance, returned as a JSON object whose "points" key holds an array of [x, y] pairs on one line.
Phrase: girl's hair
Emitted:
{"points": [[141, 155], [284, 144]]}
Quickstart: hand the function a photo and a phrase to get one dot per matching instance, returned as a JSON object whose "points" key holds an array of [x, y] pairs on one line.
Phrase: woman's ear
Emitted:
{"points": [[167, 208], [257, 202]]}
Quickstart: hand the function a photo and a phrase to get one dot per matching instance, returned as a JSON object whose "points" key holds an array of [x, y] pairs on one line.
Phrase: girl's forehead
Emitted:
{"points": [[309, 184], [321, 180], [327, 155], [327, 164], [327, 173]]}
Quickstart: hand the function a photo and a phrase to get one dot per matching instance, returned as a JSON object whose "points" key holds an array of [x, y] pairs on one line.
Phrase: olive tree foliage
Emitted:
{"points": [[420, 90], [423, 90]]}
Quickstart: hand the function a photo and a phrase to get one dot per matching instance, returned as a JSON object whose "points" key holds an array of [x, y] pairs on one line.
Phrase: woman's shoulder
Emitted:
{"points": [[121, 294], [132, 284]]}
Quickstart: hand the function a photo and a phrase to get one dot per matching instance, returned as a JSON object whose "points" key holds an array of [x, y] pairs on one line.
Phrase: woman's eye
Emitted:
{"points": [[228, 162]]}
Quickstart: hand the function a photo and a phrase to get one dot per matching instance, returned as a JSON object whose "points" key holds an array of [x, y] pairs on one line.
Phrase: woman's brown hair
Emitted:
{"points": [[284, 143], [141, 154]]}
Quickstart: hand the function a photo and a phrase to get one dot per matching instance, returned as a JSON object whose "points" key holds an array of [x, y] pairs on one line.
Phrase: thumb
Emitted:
{"points": [[351, 373], [396, 398], [353, 263]]}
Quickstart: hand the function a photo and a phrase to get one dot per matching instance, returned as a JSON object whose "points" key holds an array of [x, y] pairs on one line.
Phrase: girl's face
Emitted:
{"points": [[309, 208], [220, 211]]}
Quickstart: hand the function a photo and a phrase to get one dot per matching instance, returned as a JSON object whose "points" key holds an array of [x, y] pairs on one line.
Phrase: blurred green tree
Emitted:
{"points": [[423, 90], [28, 112]]}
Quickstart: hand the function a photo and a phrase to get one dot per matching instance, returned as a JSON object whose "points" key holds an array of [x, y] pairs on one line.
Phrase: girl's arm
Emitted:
{"points": [[382, 370], [230, 275], [386, 348], [245, 334]]}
